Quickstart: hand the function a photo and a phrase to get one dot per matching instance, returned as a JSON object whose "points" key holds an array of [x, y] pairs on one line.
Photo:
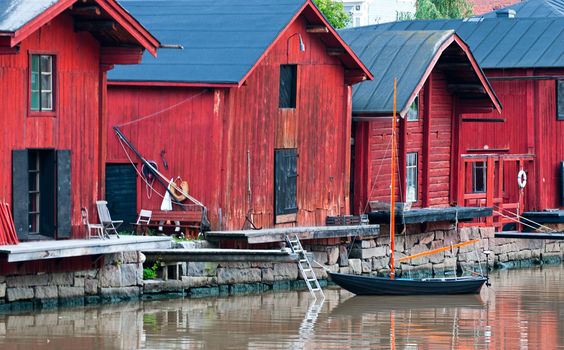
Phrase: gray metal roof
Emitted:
{"points": [[14, 14], [501, 42], [533, 8], [222, 39], [402, 54]]}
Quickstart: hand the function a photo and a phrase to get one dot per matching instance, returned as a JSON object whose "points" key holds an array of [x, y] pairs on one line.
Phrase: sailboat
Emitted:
{"points": [[376, 285]]}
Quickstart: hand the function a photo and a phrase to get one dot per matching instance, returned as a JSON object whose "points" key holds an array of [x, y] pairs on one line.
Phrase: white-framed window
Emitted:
{"points": [[41, 80], [411, 177], [413, 112], [479, 172]]}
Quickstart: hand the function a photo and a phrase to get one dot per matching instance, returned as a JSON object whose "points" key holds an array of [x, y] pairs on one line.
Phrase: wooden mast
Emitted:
{"points": [[392, 200]]}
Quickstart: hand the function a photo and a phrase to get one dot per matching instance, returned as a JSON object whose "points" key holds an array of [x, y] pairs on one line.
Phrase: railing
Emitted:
{"points": [[500, 190]]}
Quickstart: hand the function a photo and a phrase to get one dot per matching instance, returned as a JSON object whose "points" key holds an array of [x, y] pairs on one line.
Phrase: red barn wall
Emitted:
{"points": [[530, 127], [75, 124], [228, 124], [373, 153]]}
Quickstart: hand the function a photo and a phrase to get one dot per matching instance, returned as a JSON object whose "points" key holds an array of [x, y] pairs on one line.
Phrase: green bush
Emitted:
{"points": [[150, 273]]}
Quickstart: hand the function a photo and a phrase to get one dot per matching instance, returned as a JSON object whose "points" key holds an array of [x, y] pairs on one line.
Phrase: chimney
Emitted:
{"points": [[505, 13]]}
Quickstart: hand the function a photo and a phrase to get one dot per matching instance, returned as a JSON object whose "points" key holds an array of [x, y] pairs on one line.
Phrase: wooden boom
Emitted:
{"points": [[472, 241]]}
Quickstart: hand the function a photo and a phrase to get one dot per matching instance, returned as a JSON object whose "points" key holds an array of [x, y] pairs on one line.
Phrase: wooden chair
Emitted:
{"points": [[98, 229], [110, 226], [143, 220]]}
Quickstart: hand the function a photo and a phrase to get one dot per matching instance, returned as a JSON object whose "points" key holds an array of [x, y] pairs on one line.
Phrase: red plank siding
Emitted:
{"points": [[208, 139], [75, 123]]}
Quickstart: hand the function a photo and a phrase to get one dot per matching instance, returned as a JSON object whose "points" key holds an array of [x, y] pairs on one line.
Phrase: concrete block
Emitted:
{"points": [[46, 292], [70, 292], [19, 293], [356, 266], [27, 280]]}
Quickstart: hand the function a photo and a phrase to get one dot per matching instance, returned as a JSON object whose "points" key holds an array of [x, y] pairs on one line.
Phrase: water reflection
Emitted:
{"points": [[521, 311]]}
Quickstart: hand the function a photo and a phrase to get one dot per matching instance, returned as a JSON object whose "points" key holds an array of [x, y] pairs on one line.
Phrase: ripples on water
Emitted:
{"points": [[521, 311]]}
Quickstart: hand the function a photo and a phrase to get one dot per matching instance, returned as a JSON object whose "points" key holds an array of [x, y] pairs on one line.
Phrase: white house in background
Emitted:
{"points": [[367, 12]]}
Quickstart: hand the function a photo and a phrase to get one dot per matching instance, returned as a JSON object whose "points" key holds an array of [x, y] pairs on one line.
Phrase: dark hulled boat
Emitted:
{"points": [[373, 285]]}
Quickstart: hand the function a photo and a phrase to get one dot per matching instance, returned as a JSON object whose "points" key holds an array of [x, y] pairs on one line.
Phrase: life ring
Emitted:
{"points": [[179, 196], [522, 179]]}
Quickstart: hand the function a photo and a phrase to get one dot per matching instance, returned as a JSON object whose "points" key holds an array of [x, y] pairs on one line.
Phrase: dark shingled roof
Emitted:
{"points": [[14, 14], [503, 42], [534, 8], [402, 54]]}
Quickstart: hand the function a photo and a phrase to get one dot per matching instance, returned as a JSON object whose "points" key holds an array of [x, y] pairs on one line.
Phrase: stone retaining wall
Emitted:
{"points": [[120, 278]]}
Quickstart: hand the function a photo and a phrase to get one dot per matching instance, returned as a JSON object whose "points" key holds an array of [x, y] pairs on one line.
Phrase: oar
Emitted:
{"points": [[438, 250]]}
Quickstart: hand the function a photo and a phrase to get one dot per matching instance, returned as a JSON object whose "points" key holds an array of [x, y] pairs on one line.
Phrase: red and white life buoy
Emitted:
{"points": [[522, 179]]}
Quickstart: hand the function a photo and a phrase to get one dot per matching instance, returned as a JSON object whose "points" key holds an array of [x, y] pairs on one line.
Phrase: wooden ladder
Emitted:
{"points": [[305, 267]]}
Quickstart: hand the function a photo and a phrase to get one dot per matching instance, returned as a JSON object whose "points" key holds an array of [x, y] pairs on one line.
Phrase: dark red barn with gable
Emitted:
{"points": [[438, 79], [254, 112], [522, 54], [54, 56]]}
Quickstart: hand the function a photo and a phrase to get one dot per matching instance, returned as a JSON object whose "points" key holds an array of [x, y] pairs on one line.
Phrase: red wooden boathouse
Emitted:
{"points": [[54, 56], [438, 79], [254, 112]]}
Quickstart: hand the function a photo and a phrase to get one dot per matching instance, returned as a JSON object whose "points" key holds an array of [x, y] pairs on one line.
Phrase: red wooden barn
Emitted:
{"points": [[438, 79], [524, 60], [54, 56], [253, 110]]}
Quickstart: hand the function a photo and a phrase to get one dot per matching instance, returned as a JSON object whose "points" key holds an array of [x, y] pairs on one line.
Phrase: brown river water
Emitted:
{"points": [[524, 309]]}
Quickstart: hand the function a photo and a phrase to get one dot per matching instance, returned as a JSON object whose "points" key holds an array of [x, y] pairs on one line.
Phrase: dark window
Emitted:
{"points": [[413, 111], [285, 181], [121, 193], [41, 83], [479, 171], [41, 193], [288, 81], [560, 99], [411, 177]]}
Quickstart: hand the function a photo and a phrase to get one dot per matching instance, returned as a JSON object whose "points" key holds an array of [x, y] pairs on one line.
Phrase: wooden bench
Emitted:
{"points": [[187, 221]]}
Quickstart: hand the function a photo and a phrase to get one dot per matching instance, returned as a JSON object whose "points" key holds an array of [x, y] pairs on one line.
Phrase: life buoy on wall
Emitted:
{"points": [[179, 196], [522, 178]]}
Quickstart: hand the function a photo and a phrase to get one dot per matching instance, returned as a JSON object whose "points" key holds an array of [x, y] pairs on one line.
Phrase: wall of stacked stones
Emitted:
{"points": [[121, 276]]}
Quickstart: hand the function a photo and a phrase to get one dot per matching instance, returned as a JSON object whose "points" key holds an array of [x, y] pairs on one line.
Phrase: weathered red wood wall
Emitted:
{"points": [[530, 127], [208, 138], [373, 152], [75, 123]]}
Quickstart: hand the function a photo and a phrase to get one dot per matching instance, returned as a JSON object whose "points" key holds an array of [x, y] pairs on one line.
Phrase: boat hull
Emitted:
{"points": [[373, 285]]}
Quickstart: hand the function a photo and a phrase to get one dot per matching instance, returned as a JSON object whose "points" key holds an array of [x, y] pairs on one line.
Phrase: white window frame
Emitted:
{"points": [[44, 77], [411, 177], [483, 166], [413, 111]]}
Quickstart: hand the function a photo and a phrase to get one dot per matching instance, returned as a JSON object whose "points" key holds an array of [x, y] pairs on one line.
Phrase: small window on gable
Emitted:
{"points": [[413, 112], [411, 177], [560, 99], [41, 83], [479, 172], [288, 82]]}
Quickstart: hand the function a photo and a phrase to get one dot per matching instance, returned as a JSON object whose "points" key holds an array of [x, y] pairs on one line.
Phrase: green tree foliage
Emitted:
{"points": [[334, 12], [435, 9]]}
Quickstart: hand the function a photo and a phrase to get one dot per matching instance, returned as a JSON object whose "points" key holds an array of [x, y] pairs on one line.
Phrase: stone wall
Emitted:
{"points": [[120, 278]]}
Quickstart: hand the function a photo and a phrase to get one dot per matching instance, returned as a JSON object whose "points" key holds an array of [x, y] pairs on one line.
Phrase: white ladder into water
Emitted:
{"points": [[306, 270]]}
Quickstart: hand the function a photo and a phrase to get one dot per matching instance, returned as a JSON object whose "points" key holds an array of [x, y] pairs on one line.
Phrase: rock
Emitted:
{"points": [[366, 266], [27, 280], [320, 257], [129, 275], [343, 256], [110, 276], [320, 273], [232, 275], [267, 275], [199, 281], [130, 258], [465, 233], [19, 293], [113, 259], [46, 292], [79, 282], [439, 226], [91, 286], [368, 253], [70, 292], [142, 258], [356, 266], [285, 271], [235, 265], [2, 290], [332, 255], [379, 263], [201, 269], [121, 293], [427, 238]]}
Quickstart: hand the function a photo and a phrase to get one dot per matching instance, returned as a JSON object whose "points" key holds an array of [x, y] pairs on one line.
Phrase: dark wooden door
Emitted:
{"points": [[121, 193]]}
